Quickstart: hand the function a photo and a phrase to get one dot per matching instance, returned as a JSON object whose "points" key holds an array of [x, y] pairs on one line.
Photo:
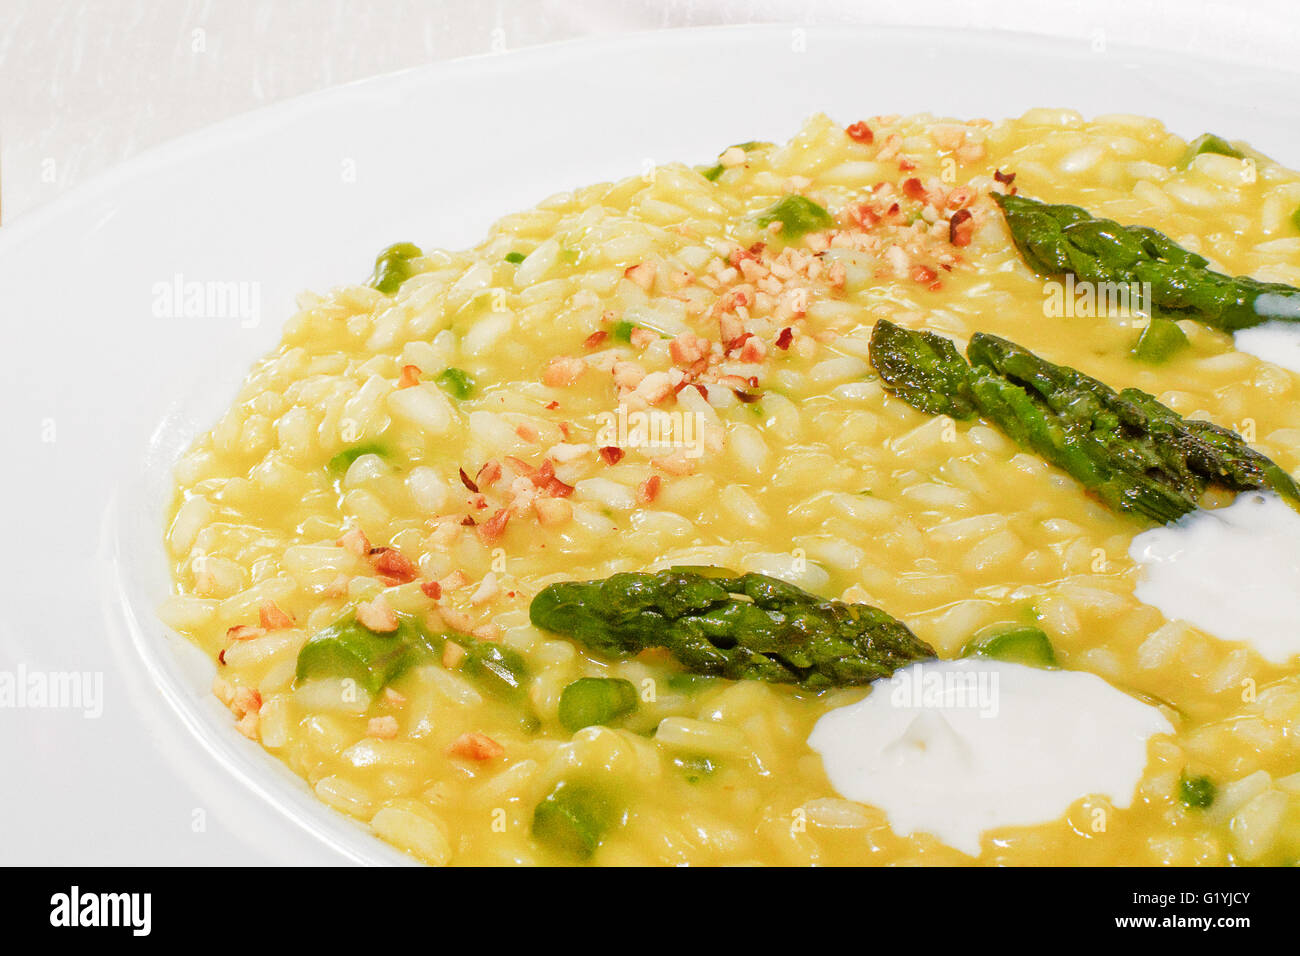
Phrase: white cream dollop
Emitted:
{"points": [[1233, 572], [957, 748], [1276, 342]]}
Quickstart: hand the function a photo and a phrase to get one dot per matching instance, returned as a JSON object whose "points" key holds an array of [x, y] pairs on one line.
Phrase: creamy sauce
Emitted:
{"points": [[1276, 342], [957, 748], [1233, 572]]}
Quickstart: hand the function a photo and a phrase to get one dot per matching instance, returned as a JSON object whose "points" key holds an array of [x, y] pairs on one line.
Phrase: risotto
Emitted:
{"points": [[676, 371]]}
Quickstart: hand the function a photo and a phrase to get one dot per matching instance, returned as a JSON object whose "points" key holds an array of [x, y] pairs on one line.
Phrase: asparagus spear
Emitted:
{"points": [[1135, 454], [924, 369], [744, 627], [348, 649], [1059, 239]]}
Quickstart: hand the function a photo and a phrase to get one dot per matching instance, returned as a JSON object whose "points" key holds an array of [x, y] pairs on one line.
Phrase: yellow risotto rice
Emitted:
{"points": [[663, 293]]}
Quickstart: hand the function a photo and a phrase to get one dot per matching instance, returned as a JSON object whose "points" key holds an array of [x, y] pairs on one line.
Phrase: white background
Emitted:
{"points": [[83, 86]]}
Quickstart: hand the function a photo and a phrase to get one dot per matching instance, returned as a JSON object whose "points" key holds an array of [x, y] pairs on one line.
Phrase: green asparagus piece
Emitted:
{"points": [[591, 701], [923, 369], [1018, 643], [497, 669], [1134, 454], [716, 170], [456, 382], [1208, 143], [1196, 793], [690, 684], [341, 462], [797, 215], [1160, 341], [743, 627], [1059, 239], [348, 649], [393, 267], [575, 817]]}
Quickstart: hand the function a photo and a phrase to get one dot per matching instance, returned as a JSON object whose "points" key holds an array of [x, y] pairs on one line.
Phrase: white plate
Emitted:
{"points": [[99, 393]]}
